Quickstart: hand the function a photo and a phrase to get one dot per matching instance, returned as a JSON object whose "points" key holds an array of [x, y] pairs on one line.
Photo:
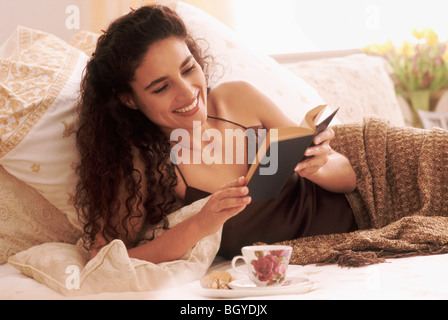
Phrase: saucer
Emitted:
{"points": [[289, 283], [245, 288]]}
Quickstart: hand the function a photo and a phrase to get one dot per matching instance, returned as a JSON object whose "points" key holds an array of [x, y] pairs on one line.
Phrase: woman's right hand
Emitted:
{"points": [[226, 202]]}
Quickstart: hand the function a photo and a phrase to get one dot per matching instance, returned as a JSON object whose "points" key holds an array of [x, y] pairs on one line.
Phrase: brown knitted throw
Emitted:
{"points": [[401, 200]]}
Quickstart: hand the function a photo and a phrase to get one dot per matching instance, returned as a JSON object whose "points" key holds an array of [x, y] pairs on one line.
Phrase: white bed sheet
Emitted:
{"points": [[415, 278]]}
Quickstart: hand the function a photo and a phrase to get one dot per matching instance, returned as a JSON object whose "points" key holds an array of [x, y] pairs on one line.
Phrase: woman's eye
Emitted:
{"points": [[189, 69], [161, 89]]}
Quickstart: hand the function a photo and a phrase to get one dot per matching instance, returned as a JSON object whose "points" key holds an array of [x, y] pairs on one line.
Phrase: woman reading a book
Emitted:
{"points": [[148, 78]]}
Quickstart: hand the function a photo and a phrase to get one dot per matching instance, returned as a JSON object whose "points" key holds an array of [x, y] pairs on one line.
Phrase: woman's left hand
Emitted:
{"points": [[317, 156]]}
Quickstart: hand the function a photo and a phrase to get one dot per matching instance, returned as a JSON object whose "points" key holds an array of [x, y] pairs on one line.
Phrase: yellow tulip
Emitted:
{"points": [[369, 48], [428, 34], [379, 48], [418, 34], [388, 46], [431, 37], [445, 56], [406, 48]]}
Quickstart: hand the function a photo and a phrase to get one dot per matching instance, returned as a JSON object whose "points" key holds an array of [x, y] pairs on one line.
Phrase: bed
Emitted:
{"points": [[41, 256]]}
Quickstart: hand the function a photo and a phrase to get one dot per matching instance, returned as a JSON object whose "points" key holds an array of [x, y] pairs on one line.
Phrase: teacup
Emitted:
{"points": [[266, 264]]}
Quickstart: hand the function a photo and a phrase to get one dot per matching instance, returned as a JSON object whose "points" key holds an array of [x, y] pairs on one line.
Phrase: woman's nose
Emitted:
{"points": [[184, 90]]}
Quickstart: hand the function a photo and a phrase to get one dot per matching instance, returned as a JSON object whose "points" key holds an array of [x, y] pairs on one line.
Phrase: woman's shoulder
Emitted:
{"points": [[234, 94], [235, 100], [229, 89], [243, 100]]}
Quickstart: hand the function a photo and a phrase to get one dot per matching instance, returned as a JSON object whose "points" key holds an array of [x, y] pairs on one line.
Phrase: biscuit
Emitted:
{"points": [[217, 280]]}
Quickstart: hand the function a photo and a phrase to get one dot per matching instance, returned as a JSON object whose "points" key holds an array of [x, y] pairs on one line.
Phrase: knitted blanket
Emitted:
{"points": [[401, 199]]}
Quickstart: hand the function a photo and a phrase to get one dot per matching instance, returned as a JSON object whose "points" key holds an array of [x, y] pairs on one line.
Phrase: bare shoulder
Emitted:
{"points": [[242, 99], [235, 96], [235, 90]]}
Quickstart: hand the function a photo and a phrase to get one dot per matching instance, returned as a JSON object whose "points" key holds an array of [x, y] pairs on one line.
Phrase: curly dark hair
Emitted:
{"points": [[110, 135]]}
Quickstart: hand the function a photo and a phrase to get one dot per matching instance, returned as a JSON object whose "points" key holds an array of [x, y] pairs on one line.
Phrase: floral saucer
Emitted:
{"points": [[289, 283], [245, 288]]}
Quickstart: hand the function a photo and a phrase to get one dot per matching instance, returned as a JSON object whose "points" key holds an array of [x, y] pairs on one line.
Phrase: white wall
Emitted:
{"points": [[317, 25], [269, 26], [45, 15]]}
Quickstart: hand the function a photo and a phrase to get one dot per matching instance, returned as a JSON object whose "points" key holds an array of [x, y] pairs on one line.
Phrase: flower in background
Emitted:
{"points": [[421, 65], [432, 39]]}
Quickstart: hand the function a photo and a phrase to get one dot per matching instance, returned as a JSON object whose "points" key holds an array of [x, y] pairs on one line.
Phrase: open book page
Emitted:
{"points": [[312, 117]]}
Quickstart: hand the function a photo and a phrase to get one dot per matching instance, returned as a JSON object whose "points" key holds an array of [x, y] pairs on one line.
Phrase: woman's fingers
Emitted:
{"points": [[326, 135], [320, 150], [236, 188], [241, 181], [223, 204], [231, 195], [317, 155]]}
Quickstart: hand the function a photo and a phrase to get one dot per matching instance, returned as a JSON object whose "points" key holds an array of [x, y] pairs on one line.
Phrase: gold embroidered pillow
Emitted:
{"points": [[28, 219], [39, 86], [85, 41]]}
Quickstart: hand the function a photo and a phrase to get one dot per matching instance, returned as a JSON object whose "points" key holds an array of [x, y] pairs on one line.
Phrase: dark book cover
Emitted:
{"points": [[268, 176]]}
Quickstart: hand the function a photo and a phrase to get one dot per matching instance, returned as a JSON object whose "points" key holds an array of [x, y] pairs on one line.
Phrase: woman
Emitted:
{"points": [[148, 78]]}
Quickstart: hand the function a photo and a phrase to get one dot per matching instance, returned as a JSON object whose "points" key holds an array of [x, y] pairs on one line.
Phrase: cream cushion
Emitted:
{"points": [[65, 268], [39, 87], [359, 84]]}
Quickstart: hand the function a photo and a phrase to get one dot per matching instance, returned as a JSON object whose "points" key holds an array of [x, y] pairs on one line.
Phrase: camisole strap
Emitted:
{"points": [[182, 176], [221, 119], [216, 118]]}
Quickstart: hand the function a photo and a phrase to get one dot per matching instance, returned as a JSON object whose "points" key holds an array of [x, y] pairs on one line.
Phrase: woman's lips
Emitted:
{"points": [[186, 109]]}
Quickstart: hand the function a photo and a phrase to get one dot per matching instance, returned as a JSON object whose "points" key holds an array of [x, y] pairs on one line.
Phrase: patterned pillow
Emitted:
{"points": [[27, 219], [39, 87]]}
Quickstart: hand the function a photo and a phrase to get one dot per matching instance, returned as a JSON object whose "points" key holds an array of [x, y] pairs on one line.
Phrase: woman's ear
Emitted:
{"points": [[128, 101]]}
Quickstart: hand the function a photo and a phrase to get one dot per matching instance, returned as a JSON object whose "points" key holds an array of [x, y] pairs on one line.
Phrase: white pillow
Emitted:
{"points": [[236, 61], [64, 267], [39, 86]]}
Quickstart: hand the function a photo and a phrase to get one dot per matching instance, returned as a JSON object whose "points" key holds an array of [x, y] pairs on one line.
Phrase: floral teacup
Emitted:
{"points": [[266, 264]]}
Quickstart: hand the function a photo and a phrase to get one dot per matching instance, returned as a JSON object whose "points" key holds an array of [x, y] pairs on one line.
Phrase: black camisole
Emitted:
{"points": [[302, 209]]}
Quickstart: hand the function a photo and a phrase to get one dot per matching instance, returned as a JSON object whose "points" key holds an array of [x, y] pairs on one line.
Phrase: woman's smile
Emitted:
{"points": [[190, 109]]}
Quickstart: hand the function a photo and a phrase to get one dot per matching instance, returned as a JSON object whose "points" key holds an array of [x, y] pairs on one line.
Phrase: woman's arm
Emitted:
{"points": [[175, 242]]}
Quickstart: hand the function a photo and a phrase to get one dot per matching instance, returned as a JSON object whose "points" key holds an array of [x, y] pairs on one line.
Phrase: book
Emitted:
{"points": [[279, 153]]}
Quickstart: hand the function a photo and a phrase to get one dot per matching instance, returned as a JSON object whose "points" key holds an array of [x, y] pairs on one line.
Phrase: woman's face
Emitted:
{"points": [[170, 86]]}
